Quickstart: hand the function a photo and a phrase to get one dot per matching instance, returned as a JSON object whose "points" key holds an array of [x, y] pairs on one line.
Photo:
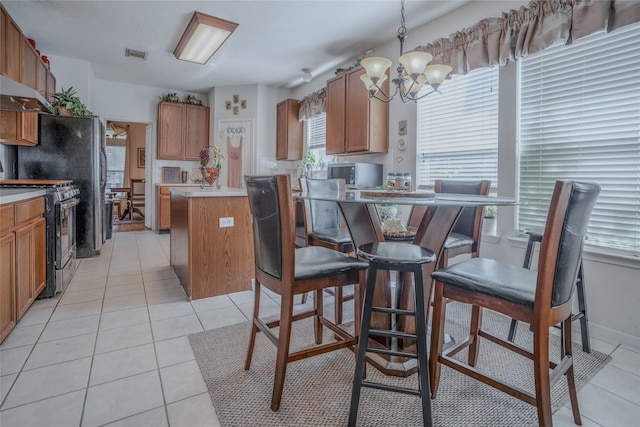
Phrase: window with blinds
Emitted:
{"points": [[580, 120], [457, 135], [115, 165], [317, 137]]}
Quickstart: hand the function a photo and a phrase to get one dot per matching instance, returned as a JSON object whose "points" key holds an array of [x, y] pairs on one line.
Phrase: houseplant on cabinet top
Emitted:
{"points": [[66, 103]]}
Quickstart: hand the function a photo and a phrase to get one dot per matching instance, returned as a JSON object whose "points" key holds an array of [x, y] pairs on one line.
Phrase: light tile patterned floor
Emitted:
{"points": [[113, 350]]}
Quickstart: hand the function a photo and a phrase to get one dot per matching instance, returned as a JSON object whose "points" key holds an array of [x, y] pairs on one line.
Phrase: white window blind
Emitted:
{"points": [[457, 135], [580, 120], [115, 165], [316, 131]]}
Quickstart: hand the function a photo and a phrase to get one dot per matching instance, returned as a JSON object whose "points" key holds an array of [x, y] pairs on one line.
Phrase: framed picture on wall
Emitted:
{"points": [[141, 157]]}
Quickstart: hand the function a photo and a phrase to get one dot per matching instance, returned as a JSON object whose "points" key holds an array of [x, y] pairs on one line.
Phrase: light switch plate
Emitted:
{"points": [[226, 222]]}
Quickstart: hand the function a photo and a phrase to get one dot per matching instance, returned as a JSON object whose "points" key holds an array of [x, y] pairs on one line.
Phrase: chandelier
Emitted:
{"points": [[413, 72]]}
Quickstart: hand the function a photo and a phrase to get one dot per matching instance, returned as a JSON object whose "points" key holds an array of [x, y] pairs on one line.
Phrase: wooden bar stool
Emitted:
{"points": [[535, 237], [402, 257]]}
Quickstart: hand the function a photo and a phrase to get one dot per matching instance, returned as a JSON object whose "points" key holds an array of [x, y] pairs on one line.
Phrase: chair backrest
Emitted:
{"points": [[320, 214], [470, 220], [563, 240], [273, 219]]}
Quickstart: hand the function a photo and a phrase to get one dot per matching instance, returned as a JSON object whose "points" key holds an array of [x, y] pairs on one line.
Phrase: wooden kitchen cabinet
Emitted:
{"points": [[18, 128], [11, 49], [30, 280], [183, 130], [289, 131], [197, 131], [164, 209], [7, 284], [355, 125], [22, 259], [30, 62]]}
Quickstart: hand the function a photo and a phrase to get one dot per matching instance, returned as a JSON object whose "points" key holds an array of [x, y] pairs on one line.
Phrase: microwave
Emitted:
{"points": [[357, 175]]}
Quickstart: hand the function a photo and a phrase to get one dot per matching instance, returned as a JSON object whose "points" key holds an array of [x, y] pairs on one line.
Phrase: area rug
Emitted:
{"points": [[317, 390]]}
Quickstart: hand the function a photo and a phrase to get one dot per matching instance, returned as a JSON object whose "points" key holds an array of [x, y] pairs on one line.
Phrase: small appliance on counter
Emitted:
{"points": [[357, 176]]}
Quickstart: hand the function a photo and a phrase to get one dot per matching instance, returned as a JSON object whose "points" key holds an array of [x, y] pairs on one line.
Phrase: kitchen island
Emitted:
{"points": [[211, 240]]}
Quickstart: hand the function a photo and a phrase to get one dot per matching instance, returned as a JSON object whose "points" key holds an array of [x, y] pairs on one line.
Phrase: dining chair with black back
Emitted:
{"points": [[542, 298], [466, 233], [287, 271], [324, 227]]}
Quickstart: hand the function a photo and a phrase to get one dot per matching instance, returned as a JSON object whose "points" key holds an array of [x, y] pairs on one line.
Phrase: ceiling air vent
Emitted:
{"points": [[135, 53]]}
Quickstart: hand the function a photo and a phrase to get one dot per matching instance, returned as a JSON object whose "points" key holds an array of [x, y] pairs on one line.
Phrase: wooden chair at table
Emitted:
{"points": [[465, 235], [290, 271], [138, 196], [324, 227], [541, 298]]}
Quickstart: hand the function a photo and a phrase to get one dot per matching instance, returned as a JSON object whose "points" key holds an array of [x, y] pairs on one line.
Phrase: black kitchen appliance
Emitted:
{"points": [[72, 148], [61, 201]]}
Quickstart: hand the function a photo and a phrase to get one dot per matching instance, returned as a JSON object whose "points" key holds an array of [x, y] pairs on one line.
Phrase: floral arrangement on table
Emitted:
{"points": [[214, 156]]}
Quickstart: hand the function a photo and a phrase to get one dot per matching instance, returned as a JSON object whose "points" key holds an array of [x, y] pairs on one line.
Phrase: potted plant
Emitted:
{"points": [[489, 225], [66, 103]]}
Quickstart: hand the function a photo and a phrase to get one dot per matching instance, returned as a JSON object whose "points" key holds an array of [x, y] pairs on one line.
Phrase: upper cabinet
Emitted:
{"points": [[183, 130], [21, 62], [289, 131], [355, 125], [11, 49]]}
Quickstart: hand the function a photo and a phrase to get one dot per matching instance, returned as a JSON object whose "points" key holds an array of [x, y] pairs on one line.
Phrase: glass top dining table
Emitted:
{"points": [[434, 215]]}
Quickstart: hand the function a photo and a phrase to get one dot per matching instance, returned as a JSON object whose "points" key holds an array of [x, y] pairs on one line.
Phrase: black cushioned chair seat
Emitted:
{"points": [[339, 236], [457, 240], [490, 277], [396, 253], [317, 261]]}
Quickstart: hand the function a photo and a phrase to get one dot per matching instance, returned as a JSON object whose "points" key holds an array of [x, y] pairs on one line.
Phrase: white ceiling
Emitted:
{"points": [[273, 42]]}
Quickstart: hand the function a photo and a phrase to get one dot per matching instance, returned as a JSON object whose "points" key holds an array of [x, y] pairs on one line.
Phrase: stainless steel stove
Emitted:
{"points": [[61, 200]]}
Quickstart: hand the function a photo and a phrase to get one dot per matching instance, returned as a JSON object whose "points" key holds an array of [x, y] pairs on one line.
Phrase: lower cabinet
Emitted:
{"points": [[30, 272], [7, 284], [164, 209], [22, 259]]}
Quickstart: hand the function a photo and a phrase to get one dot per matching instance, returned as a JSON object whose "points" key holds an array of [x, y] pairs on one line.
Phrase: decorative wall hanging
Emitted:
{"points": [[235, 138]]}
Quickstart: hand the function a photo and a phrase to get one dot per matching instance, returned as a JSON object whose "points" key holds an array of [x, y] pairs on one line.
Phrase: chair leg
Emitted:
{"points": [[421, 346], [318, 305], [254, 327], [338, 294], [476, 324], [362, 344], [582, 307], [541, 375], [437, 336], [571, 381], [284, 337]]}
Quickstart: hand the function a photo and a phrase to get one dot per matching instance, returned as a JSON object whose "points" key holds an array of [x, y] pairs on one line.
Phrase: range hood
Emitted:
{"points": [[18, 97]]}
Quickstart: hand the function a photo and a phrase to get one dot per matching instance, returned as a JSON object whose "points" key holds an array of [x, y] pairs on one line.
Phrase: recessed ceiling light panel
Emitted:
{"points": [[203, 37]]}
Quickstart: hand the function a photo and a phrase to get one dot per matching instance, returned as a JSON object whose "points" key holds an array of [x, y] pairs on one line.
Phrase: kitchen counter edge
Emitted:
{"points": [[208, 192], [10, 195]]}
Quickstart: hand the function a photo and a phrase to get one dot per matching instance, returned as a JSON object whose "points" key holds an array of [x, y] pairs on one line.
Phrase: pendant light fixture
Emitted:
{"points": [[413, 72]]}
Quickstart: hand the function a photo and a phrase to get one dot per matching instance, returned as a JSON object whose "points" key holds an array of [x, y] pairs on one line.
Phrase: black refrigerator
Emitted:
{"points": [[72, 148]]}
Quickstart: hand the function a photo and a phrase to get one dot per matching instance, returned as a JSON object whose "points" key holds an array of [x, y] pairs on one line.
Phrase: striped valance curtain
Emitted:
{"points": [[517, 33], [313, 105]]}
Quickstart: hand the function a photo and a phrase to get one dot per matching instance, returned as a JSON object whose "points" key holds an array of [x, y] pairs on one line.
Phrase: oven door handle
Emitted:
{"points": [[69, 204]]}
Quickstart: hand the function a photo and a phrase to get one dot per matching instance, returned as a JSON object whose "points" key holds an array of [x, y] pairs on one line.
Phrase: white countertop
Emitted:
{"points": [[192, 191], [9, 195], [168, 184]]}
